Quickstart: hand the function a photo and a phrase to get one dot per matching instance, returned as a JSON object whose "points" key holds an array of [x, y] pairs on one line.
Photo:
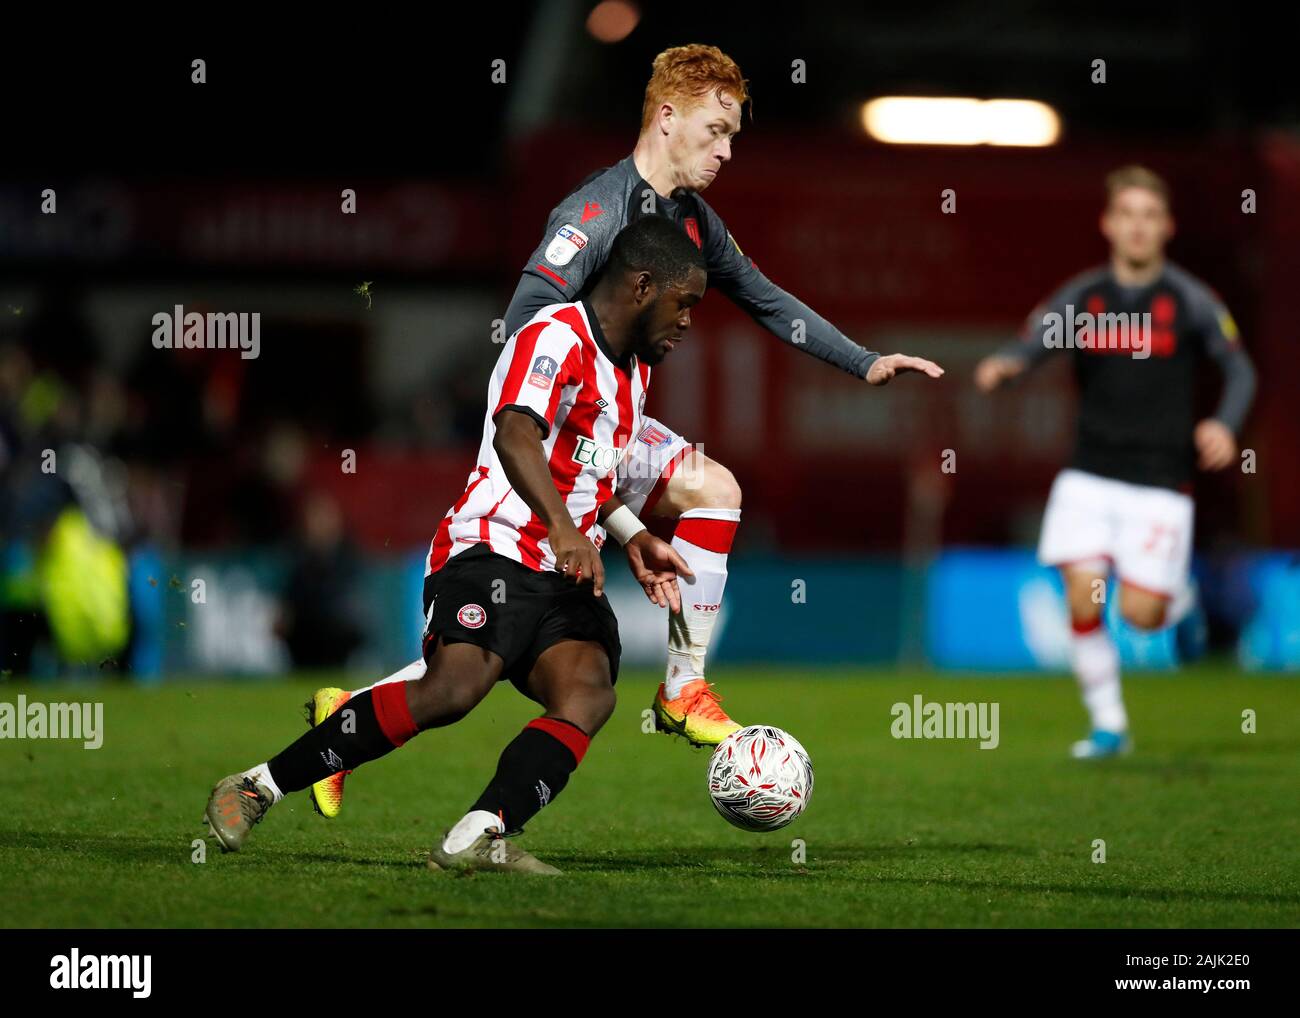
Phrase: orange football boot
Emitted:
{"points": [[696, 714]]}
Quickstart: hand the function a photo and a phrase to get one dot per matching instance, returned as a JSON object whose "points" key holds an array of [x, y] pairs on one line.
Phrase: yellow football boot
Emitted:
{"points": [[327, 794]]}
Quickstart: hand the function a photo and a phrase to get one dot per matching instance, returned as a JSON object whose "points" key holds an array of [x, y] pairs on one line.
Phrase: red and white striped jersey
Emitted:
{"points": [[559, 370]]}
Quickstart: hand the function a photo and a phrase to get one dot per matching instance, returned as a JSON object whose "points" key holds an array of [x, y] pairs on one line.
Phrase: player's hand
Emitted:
{"points": [[577, 559], [887, 366], [656, 566], [1216, 446], [993, 371]]}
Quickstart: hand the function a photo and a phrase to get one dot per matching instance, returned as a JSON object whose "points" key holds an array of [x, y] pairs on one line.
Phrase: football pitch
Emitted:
{"points": [[1200, 824]]}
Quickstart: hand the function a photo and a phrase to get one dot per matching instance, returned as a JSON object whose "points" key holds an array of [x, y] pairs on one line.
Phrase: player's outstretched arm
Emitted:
{"points": [[655, 563], [1032, 349], [1216, 437], [795, 323], [518, 444], [886, 367], [790, 319], [1018, 356], [997, 368]]}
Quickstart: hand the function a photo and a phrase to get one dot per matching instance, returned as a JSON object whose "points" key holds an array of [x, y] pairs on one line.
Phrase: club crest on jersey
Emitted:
{"points": [[653, 437], [472, 616], [543, 373], [568, 241]]}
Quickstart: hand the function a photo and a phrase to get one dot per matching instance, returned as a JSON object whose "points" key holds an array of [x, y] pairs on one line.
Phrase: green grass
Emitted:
{"points": [[1200, 823]]}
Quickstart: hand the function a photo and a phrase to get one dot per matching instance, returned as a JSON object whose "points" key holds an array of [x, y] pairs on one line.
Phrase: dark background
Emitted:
{"points": [[225, 196]]}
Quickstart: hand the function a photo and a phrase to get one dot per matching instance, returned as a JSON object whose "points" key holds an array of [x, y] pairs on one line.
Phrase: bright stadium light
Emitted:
{"points": [[917, 120], [1020, 122], [613, 20]]}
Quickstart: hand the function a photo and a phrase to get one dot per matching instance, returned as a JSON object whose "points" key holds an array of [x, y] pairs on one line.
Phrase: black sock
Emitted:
{"points": [[533, 770], [344, 741]]}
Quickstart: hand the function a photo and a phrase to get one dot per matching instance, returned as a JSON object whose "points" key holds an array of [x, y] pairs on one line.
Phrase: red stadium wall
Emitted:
{"points": [[856, 231], [1275, 268]]}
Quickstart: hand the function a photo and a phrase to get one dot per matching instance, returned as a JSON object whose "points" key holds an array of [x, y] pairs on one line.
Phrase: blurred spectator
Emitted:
{"points": [[64, 517], [320, 617]]}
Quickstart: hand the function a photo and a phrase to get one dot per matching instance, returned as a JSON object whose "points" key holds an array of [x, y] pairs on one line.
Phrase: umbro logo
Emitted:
{"points": [[543, 792], [332, 760], [591, 210], [602, 403]]}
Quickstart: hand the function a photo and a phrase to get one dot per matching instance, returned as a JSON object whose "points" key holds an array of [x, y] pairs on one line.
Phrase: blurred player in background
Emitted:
{"points": [[1124, 504], [689, 117]]}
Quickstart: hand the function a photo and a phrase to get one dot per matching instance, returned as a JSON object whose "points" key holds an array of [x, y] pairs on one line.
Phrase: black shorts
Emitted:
{"points": [[498, 604]]}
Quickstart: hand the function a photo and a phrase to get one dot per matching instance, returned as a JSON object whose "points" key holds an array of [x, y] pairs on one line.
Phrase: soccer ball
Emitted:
{"points": [[760, 778]]}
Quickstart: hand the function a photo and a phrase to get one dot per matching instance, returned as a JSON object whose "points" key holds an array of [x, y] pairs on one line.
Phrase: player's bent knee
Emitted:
{"points": [[1085, 606], [436, 704], [593, 711], [703, 483], [452, 686], [1084, 610], [1144, 616], [1142, 609], [586, 698]]}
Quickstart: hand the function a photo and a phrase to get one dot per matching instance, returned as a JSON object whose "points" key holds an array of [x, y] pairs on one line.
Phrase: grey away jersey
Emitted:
{"points": [[1136, 414], [581, 230]]}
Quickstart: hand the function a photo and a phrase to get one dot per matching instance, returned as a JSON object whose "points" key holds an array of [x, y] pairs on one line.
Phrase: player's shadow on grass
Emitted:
{"points": [[1153, 895], [1247, 746], [417, 858], [1207, 765], [177, 847], [855, 853], [122, 847], [774, 861]]}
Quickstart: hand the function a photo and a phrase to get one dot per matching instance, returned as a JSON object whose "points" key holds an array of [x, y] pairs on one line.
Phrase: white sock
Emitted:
{"points": [[467, 831], [415, 670], [1095, 660], [262, 775], [691, 629]]}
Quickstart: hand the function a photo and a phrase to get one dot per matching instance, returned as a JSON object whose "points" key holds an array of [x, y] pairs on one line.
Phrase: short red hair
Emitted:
{"points": [[685, 75]]}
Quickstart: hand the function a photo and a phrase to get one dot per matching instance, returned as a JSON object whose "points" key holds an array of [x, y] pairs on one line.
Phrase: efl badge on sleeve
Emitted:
{"points": [[568, 241]]}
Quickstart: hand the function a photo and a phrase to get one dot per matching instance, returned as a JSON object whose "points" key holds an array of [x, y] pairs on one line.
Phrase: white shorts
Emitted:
{"points": [[1144, 531], [651, 459]]}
